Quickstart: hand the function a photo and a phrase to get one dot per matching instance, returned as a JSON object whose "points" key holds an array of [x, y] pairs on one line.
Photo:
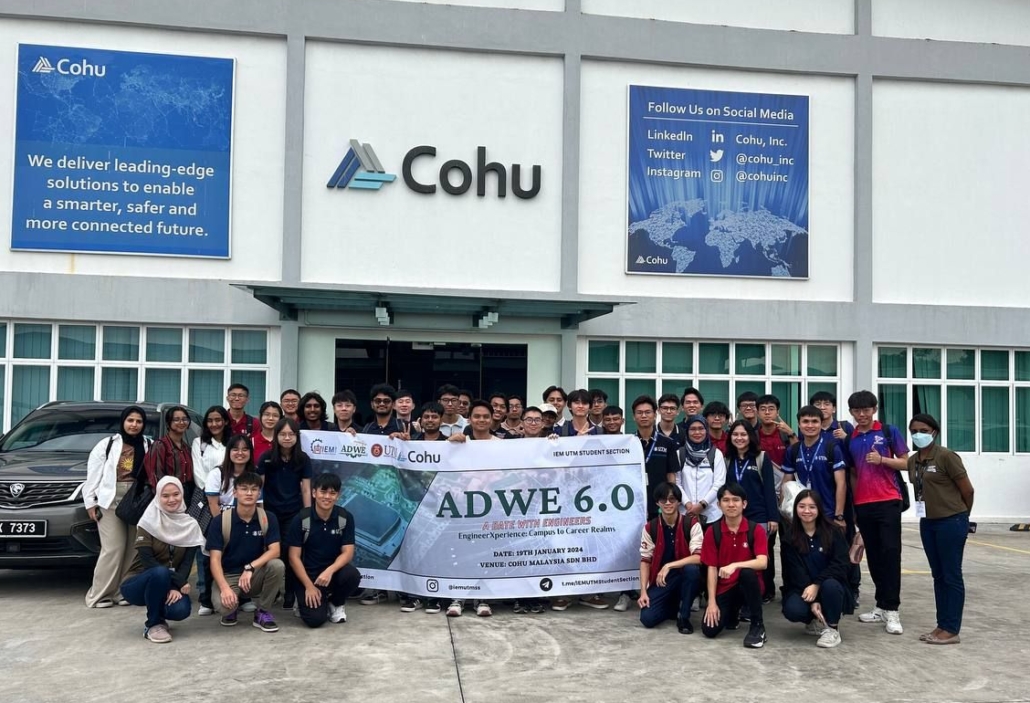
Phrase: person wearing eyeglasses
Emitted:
{"points": [[385, 423], [236, 398], [170, 455], [269, 415], [747, 407], [451, 422], [533, 423], [287, 484]]}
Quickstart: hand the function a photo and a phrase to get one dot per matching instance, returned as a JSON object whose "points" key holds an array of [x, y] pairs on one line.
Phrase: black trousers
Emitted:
{"points": [[340, 586], [880, 524], [746, 592], [285, 520]]}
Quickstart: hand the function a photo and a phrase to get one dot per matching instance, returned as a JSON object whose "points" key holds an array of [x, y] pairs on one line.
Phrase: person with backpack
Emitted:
{"points": [[670, 562], [817, 463], [701, 471], [735, 550], [878, 453], [243, 544], [170, 455], [747, 466], [944, 499], [320, 543], [815, 571], [660, 463], [111, 470]]}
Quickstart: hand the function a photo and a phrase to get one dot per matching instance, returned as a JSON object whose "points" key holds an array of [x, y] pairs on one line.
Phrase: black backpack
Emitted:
{"points": [[899, 479]]}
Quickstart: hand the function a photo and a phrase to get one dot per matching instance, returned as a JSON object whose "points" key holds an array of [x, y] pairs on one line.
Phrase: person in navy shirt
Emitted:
{"points": [[747, 466], [661, 463], [818, 463], [320, 541], [384, 422], [668, 409], [287, 488], [579, 406], [249, 562], [313, 408]]}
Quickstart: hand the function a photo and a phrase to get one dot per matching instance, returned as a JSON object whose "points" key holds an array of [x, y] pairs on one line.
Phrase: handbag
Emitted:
{"points": [[197, 508], [136, 500], [790, 491]]}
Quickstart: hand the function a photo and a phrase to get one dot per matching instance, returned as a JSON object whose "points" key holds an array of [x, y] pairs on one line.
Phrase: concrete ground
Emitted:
{"points": [[53, 649]]}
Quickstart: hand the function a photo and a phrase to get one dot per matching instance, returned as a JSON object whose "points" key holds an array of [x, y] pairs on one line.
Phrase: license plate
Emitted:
{"points": [[22, 529]]}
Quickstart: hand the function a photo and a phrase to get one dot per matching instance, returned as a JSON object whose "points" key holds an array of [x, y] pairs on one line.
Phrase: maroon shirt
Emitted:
{"points": [[773, 445]]}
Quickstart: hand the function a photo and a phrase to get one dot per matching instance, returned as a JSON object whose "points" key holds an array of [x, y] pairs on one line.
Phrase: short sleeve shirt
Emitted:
{"points": [[935, 482], [282, 487], [874, 482], [325, 537], [246, 543], [814, 468], [733, 548]]}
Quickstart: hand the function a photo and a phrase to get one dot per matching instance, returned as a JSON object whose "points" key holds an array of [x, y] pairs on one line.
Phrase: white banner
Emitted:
{"points": [[506, 519]]}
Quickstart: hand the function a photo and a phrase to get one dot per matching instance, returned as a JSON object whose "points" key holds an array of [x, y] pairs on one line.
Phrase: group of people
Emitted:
{"points": [[244, 493]]}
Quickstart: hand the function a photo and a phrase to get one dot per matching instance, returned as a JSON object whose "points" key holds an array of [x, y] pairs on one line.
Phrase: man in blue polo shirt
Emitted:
{"points": [[818, 463], [320, 541], [248, 562]]}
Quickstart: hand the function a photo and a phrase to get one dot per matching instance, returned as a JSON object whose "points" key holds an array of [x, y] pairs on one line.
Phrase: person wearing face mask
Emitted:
{"points": [[944, 499], [166, 541]]}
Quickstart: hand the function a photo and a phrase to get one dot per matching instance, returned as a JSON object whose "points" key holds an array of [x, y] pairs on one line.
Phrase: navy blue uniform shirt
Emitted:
{"points": [[282, 489], [245, 540], [325, 539]]}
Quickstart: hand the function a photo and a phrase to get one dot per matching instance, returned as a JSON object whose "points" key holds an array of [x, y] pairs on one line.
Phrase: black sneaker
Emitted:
{"points": [[755, 637], [519, 608], [733, 624], [745, 614], [684, 626], [288, 600]]}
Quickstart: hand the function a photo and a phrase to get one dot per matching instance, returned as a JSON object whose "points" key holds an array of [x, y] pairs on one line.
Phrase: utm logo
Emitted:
{"points": [[360, 169], [43, 66]]}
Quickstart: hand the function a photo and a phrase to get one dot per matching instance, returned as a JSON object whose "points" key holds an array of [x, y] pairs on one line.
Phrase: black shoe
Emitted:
{"points": [[768, 598], [288, 600], [732, 625], [684, 626], [745, 614], [755, 637]]}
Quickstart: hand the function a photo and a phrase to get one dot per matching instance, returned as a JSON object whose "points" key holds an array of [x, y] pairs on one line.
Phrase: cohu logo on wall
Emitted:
{"points": [[360, 169]]}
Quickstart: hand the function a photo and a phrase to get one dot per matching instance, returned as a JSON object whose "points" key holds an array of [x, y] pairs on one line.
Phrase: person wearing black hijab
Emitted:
{"points": [[110, 471]]}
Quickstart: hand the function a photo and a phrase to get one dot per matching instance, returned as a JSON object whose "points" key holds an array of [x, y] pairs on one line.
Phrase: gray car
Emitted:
{"points": [[42, 470]]}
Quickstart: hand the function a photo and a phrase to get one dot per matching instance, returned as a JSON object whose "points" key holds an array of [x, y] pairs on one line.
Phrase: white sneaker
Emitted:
{"points": [[455, 608], [893, 622], [622, 605], [874, 615], [205, 610], [483, 609], [829, 638], [337, 613], [296, 610], [696, 605], [248, 607], [815, 628]]}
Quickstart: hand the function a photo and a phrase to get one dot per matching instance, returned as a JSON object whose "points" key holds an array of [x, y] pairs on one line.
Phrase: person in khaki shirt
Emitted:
{"points": [[944, 499]]}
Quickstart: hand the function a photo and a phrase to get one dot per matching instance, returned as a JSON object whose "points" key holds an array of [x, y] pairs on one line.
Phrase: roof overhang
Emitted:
{"points": [[481, 307]]}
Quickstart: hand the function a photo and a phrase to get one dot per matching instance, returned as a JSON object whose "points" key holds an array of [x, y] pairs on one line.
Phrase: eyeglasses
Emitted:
{"points": [[669, 409], [381, 401], [237, 396], [448, 401], [180, 419], [748, 406], [240, 450], [666, 501], [533, 420], [643, 413]]}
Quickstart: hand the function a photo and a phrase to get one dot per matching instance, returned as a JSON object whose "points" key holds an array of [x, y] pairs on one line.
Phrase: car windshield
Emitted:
{"points": [[57, 430]]}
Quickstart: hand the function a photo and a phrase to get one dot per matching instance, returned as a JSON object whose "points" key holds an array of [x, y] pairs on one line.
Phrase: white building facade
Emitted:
{"points": [[915, 286]]}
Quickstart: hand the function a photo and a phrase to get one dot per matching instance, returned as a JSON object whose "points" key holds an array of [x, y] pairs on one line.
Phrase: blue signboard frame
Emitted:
{"points": [[717, 183], [123, 152]]}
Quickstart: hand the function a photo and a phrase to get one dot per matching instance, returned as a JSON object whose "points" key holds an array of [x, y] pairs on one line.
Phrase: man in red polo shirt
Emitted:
{"points": [[236, 399], [734, 557]]}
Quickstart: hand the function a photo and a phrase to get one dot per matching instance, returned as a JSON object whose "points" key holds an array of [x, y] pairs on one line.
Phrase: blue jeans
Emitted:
{"points": [[944, 540], [831, 597], [151, 589], [674, 598]]}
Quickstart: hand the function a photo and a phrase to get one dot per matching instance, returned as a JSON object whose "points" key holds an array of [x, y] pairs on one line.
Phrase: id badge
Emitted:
{"points": [[920, 508]]}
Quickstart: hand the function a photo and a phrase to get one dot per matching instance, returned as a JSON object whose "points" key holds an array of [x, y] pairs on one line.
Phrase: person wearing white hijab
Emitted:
{"points": [[166, 542]]}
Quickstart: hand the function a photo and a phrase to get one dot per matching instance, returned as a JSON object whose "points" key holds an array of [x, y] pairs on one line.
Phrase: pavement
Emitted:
{"points": [[52, 648]]}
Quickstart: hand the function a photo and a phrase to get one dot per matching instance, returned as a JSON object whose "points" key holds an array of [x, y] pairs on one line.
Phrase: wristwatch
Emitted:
{"points": [[839, 517], [248, 567], [704, 505]]}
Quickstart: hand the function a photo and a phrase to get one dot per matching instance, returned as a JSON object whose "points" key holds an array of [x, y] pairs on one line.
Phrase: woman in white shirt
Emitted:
{"points": [[110, 472], [208, 452], [702, 472]]}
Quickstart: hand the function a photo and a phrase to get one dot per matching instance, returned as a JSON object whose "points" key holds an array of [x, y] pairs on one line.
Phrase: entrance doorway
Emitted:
{"points": [[422, 367]]}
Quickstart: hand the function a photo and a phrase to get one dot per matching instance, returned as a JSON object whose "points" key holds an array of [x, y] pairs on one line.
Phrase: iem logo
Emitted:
{"points": [[652, 260], [371, 177], [67, 68]]}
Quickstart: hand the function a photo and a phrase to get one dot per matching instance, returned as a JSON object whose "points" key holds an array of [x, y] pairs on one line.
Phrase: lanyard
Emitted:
{"points": [[738, 471], [804, 460], [654, 441]]}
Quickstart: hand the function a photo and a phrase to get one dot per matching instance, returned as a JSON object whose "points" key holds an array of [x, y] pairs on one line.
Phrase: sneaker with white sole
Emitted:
{"points": [[296, 610], [264, 621], [483, 609], [814, 628], [828, 639], [455, 608], [755, 637], [622, 605], [432, 606], [158, 634], [874, 615], [410, 605], [205, 610], [595, 601], [248, 607], [337, 613], [893, 622], [696, 605], [560, 604], [373, 597]]}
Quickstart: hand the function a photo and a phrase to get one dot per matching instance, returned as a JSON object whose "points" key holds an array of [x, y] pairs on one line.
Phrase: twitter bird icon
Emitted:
{"points": [[716, 156]]}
